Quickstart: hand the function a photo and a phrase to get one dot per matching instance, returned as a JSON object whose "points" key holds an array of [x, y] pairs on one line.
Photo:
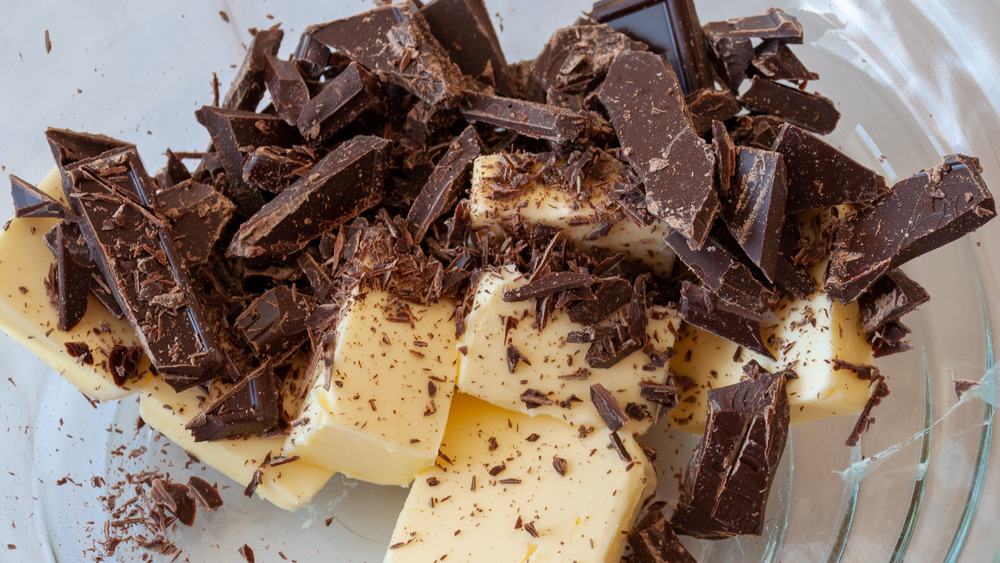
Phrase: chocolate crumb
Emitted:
{"points": [[247, 553], [560, 465]]}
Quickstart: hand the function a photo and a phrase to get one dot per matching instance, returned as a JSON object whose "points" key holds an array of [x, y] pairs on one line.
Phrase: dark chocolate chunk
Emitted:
{"points": [[395, 41], [70, 233], [248, 87], [607, 407], [311, 56], [653, 540], [286, 86], [250, 407], [917, 215], [708, 105], [754, 206], [29, 201], [560, 465], [275, 323], [865, 372], [175, 499], [774, 60], [725, 156], [533, 398], [888, 299], [619, 446], [548, 284], [865, 419], [819, 175], [730, 474], [810, 111], [732, 55], [670, 27], [247, 552], [341, 101], [464, 29], [662, 394], [774, 24], [577, 58], [446, 181], [68, 284], [123, 363], [793, 281], [610, 295], [638, 318], [174, 172], [134, 251], [318, 276], [198, 214], [514, 357], [647, 108], [273, 169], [737, 324], [531, 119], [889, 339], [204, 494], [962, 386], [337, 189]]}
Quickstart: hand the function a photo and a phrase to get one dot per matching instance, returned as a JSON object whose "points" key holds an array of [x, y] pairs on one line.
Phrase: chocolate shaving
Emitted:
{"points": [[534, 398], [514, 357], [531, 119], [888, 299], [607, 407], [548, 284], [560, 465], [29, 201], [205, 495], [865, 419], [442, 188]]}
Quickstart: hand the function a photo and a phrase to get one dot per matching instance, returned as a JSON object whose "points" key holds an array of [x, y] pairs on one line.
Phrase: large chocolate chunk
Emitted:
{"points": [[464, 29], [754, 206], [136, 254], [670, 27], [547, 285], [917, 215], [68, 233], [607, 407], [344, 183], [198, 214], [342, 100], [577, 58], [819, 175], [732, 55], [531, 119], [248, 87], [288, 89], [734, 323], [396, 41], [653, 540], [275, 323], [647, 108], [888, 299], [273, 169], [71, 146], [774, 60], [708, 105], [811, 111], [68, 284], [442, 188], [730, 474], [29, 201], [248, 408], [865, 420]]}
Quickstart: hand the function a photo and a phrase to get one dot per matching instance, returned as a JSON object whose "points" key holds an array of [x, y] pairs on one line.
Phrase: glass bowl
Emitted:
{"points": [[914, 80]]}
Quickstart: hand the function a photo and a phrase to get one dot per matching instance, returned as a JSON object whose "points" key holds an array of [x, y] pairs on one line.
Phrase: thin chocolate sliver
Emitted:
{"points": [[810, 111], [609, 295], [533, 398], [653, 540], [727, 320], [204, 494], [123, 363], [725, 157], [660, 393], [174, 498], [68, 284], [248, 87], [29, 201], [341, 101], [531, 119], [548, 284], [442, 188], [249, 407], [888, 299], [889, 339], [464, 29], [70, 233], [607, 407]]}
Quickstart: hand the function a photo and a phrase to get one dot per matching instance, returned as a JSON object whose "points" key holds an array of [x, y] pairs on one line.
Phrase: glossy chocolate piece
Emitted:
{"points": [[607, 407], [708, 105], [69, 233], [247, 89], [774, 60], [531, 119], [250, 407], [464, 29], [731, 55], [288, 90], [344, 183], [889, 339], [917, 215], [174, 172], [610, 295], [175, 499], [653, 540], [729, 477], [341, 101], [577, 58], [68, 284], [809, 111], [670, 27], [644, 100], [725, 156], [396, 41], [819, 175], [29, 201], [773, 24], [888, 299], [71, 146], [311, 56], [273, 169], [205, 495], [274, 324], [754, 206], [737, 324], [135, 252], [198, 214], [446, 181]]}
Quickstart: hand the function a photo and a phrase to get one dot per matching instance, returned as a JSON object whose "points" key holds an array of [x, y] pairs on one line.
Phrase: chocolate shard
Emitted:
{"points": [[311, 56], [288, 90], [793, 281], [754, 206], [250, 407], [396, 41], [71, 146], [445, 183], [774, 60], [810, 111], [174, 172], [548, 284], [732, 55], [69, 233], [725, 156], [123, 363], [917, 215], [273, 169], [275, 323], [174, 498], [533, 398], [730, 474], [464, 29], [653, 540], [610, 295], [198, 214], [68, 284], [888, 299], [722, 273], [889, 339], [577, 58], [318, 276], [670, 27], [660, 393], [234, 134], [644, 100], [341, 101], [135, 252], [337, 189], [708, 105], [248, 87], [531, 119], [204, 494], [865, 420], [29, 201], [734, 323], [819, 175], [774, 24], [607, 407]]}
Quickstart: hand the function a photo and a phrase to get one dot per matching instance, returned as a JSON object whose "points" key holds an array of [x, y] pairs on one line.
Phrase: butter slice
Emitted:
{"points": [[461, 511], [483, 370], [371, 413], [577, 214], [27, 316]]}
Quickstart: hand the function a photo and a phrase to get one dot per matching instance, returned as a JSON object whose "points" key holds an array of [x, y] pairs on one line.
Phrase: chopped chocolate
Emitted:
{"points": [[29, 201], [533, 398], [618, 445], [638, 318], [774, 60], [577, 58], [69, 233], [889, 339], [248, 87], [273, 169], [662, 394], [514, 357], [708, 105], [774, 24], [917, 215], [250, 407], [737, 324], [247, 553], [819, 175], [531, 119], [653, 540], [607, 407], [69, 147], [275, 323], [725, 157], [610, 295], [560, 465], [810, 111], [754, 206], [319, 278], [288, 89], [669, 27], [174, 172], [647, 108], [198, 214], [123, 363], [396, 41], [337, 189], [342, 100], [464, 29], [445, 183], [730, 474], [888, 299], [793, 281], [205, 495], [548, 284], [175, 498], [865, 419], [864, 372], [732, 55], [312, 56], [68, 283]]}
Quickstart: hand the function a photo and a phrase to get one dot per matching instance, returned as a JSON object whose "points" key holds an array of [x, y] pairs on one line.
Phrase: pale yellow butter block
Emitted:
{"points": [[27, 316], [496, 479], [483, 370], [379, 399], [578, 211]]}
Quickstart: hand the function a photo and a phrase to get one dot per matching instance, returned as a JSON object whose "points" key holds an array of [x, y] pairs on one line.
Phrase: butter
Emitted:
{"points": [[496, 480], [28, 318], [580, 215], [551, 360], [379, 399]]}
